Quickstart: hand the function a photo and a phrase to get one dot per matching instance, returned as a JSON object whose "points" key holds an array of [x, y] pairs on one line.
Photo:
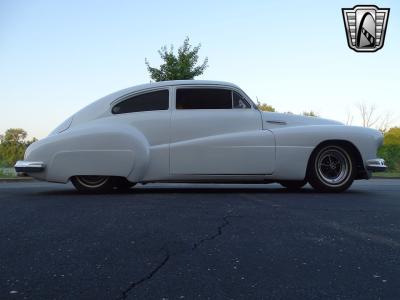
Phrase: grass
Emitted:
{"points": [[7, 173], [387, 174]]}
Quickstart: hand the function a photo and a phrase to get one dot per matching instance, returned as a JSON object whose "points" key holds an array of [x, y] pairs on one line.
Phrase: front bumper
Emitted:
{"points": [[376, 165], [23, 166]]}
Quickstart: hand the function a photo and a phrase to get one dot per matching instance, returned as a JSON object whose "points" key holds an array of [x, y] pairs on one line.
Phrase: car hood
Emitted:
{"points": [[271, 119]]}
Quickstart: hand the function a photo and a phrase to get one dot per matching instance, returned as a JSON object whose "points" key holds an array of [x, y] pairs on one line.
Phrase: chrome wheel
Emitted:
{"points": [[100, 184], [333, 166], [92, 182]]}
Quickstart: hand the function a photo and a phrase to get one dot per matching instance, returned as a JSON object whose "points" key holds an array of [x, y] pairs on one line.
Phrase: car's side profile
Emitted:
{"points": [[199, 131]]}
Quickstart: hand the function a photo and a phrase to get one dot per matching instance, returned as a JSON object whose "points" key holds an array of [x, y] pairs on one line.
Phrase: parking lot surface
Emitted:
{"points": [[186, 241]]}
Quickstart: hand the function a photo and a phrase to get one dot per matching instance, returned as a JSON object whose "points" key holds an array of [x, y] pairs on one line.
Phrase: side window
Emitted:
{"points": [[203, 98], [158, 100], [239, 101]]}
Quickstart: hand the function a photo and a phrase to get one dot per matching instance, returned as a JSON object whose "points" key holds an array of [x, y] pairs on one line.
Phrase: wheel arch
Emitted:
{"points": [[356, 154]]}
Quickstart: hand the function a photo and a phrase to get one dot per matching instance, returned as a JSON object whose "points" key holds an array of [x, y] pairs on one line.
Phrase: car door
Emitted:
{"points": [[147, 113], [215, 130]]}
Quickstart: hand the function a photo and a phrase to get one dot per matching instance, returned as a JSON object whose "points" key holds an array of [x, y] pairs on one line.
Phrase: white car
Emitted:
{"points": [[199, 131]]}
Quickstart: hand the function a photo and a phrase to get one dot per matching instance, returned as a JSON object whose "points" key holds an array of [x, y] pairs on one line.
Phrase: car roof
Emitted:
{"points": [[167, 83], [97, 108], [181, 82]]}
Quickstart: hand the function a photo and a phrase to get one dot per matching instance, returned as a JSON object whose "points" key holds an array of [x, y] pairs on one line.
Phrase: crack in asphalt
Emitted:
{"points": [[214, 236], [167, 256], [146, 277]]}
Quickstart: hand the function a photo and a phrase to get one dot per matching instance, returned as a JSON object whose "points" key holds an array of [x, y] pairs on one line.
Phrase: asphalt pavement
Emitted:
{"points": [[186, 241]]}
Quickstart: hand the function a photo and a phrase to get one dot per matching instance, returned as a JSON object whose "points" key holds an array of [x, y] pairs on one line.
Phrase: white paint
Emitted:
{"points": [[189, 145]]}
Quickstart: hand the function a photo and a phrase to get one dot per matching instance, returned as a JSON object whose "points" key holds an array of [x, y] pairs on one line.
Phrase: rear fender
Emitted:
{"points": [[92, 149]]}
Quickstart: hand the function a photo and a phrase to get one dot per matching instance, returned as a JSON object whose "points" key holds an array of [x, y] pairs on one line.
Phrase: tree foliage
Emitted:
{"points": [[392, 136], [13, 145], [391, 154], [181, 66], [390, 151], [310, 113], [265, 107]]}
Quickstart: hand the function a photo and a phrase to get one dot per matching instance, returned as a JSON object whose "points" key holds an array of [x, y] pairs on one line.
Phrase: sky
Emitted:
{"points": [[58, 56]]}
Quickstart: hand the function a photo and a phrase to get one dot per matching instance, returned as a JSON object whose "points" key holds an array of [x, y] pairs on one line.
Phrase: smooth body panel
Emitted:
{"points": [[220, 142], [189, 145]]}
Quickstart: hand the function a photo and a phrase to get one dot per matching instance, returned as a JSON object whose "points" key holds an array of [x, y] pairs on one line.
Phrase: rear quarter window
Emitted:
{"points": [[158, 100]]}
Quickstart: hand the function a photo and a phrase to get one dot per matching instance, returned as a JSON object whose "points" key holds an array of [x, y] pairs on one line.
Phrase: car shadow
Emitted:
{"points": [[143, 190]]}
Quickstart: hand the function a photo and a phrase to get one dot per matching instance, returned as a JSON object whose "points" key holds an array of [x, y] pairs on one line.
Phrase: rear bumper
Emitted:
{"points": [[23, 166], [376, 165]]}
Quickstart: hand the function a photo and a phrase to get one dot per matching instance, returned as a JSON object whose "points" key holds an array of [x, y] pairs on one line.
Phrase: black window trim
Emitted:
{"points": [[138, 93], [211, 86]]}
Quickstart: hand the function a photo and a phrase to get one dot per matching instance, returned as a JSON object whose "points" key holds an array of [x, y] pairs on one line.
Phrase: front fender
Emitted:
{"points": [[294, 145]]}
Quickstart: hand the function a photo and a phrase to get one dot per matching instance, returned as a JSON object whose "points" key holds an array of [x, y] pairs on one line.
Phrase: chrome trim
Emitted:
{"points": [[376, 165], [23, 166], [333, 166]]}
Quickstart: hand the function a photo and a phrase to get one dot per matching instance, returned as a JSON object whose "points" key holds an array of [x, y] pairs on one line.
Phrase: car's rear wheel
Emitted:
{"points": [[331, 169], [93, 184], [293, 184]]}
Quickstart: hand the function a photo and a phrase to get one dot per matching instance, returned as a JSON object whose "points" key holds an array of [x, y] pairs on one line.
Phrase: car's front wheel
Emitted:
{"points": [[331, 169], [93, 184]]}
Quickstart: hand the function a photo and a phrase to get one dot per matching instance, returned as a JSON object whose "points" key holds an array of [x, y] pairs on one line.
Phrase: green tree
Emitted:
{"points": [[391, 154], [390, 151], [180, 66], [310, 113], [392, 136], [265, 107], [13, 145]]}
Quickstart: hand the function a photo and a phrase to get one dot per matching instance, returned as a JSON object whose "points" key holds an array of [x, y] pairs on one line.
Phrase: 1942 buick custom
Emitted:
{"points": [[199, 131]]}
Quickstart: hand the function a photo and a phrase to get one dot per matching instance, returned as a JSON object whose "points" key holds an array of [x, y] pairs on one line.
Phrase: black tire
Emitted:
{"points": [[293, 184], [93, 184], [331, 168], [122, 183]]}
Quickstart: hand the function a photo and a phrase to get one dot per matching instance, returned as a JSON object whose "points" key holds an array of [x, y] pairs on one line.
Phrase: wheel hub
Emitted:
{"points": [[333, 166]]}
